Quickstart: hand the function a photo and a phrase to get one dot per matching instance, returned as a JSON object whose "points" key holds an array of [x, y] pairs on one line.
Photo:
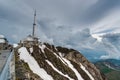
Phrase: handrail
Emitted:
{"points": [[5, 71]]}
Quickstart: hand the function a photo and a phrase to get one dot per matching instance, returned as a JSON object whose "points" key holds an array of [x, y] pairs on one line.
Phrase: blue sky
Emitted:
{"points": [[59, 21]]}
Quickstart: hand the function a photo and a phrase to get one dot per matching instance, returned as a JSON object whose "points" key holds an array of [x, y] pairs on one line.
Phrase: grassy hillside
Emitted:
{"points": [[111, 74]]}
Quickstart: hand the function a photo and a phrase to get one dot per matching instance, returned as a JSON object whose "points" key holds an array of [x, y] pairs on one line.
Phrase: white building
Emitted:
{"points": [[3, 42]]}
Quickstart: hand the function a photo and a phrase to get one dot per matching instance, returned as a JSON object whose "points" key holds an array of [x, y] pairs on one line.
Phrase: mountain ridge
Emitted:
{"points": [[59, 63]]}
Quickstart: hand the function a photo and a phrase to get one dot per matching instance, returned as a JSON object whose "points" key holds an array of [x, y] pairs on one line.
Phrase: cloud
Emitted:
{"points": [[99, 10], [60, 22], [76, 14], [111, 43], [110, 23]]}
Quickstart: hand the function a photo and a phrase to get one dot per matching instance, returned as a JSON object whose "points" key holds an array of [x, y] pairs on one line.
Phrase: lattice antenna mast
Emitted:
{"points": [[34, 24]]}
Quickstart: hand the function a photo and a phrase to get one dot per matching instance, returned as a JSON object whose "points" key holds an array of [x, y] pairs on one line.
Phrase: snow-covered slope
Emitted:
{"points": [[57, 63], [34, 66]]}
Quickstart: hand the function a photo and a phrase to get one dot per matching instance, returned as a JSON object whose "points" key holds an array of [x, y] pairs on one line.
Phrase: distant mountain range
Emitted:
{"points": [[109, 67]]}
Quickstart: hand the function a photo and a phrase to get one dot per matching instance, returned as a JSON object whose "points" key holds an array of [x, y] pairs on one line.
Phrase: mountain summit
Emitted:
{"points": [[42, 61]]}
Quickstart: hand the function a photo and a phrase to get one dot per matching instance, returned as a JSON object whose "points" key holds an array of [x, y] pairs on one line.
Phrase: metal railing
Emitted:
{"points": [[6, 71]]}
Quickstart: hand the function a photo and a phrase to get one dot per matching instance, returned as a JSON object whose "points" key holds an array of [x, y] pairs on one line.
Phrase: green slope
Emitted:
{"points": [[111, 74]]}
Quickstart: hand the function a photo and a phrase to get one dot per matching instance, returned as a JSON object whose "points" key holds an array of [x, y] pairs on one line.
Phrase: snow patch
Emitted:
{"points": [[31, 49], [60, 57], [58, 70], [109, 66], [15, 45], [72, 67], [34, 66], [83, 68], [42, 47]]}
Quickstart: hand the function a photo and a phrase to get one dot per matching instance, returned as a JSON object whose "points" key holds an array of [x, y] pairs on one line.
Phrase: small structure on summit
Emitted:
{"points": [[4, 45], [3, 42], [31, 39]]}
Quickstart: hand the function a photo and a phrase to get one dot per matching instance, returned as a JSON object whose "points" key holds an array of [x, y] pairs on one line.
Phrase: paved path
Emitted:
{"points": [[4, 54]]}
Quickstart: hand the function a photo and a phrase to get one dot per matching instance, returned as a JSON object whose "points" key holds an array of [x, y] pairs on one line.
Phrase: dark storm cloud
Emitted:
{"points": [[99, 10]]}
